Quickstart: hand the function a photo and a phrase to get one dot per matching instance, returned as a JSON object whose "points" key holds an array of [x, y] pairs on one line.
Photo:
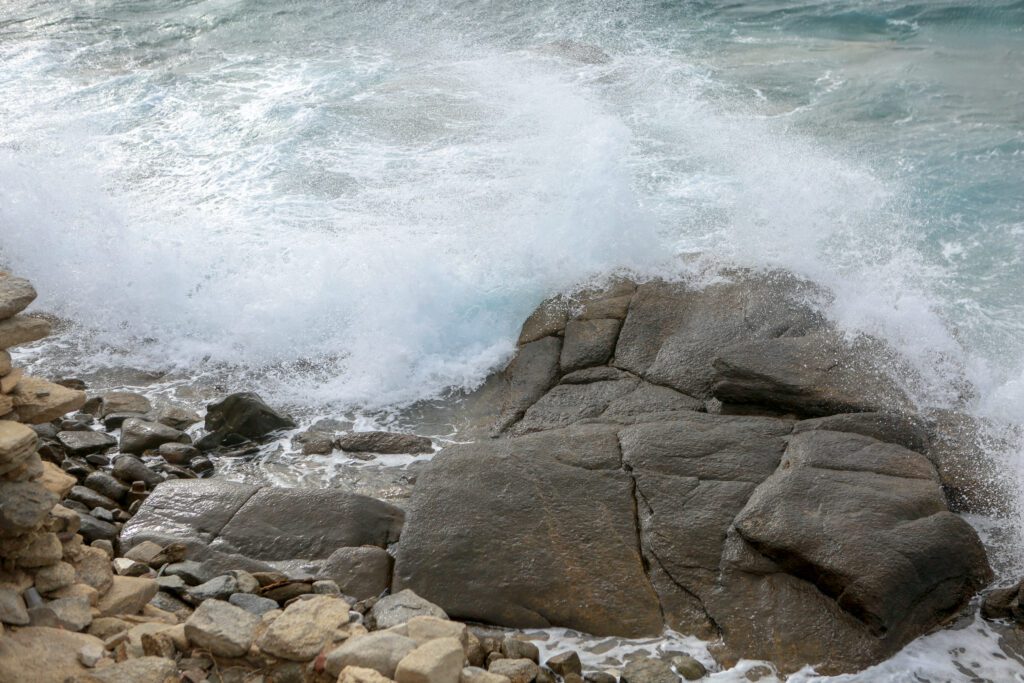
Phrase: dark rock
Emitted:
{"points": [[253, 603], [314, 442], [91, 498], [848, 552], [1004, 603], [515, 648], [83, 443], [77, 468], [531, 373], [244, 414], [201, 465], [673, 332], [363, 572], [47, 430], [287, 590], [227, 521], [116, 420], [967, 454], [648, 671], [102, 514], [177, 417], [813, 375], [98, 460], [106, 485], [548, 518], [93, 529], [130, 469], [139, 435], [896, 428], [588, 343], [383, 442], [191, 571], [566, 663]]}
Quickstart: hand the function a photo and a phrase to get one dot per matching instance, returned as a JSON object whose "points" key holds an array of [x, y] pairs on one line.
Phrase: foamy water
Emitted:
{"points": [[353, 205]]}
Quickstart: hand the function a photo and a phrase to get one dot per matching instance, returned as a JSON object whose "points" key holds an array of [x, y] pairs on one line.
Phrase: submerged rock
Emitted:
{"points": [[383, 442]]}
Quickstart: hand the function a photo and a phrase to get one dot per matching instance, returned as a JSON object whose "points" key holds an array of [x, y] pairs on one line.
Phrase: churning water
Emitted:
{"points": [[356, 203]]}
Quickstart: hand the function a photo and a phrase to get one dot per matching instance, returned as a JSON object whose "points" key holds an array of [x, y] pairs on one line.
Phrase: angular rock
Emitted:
{"points": [[12, 607], [547, 517], [26, 505], [648, 671], [222, 628], [244, 414], [969, 455], [253, 603], [42, 655], [73, 614], [380, 651], [437, 661], [17, 444], [91, 498], [531, 373], [305, 628], [516, 648], [107, 486], [363, 572], [516, 670], [842, 556], [178, 453], [588, 343], [82, 443], [126, 595], [16, 293], [22, 329], [140, 670], [402, 606], [896, 428], [54, 577], [472, 674], [424, 628], [177, 417], [124, 402], [383, 442], [55, 481], [814, 375], [93, 529], [139, 435], [130, 469], [566, 663], [93, 569], [37, 401], [358, 674], [566, 404], [44, 550]]}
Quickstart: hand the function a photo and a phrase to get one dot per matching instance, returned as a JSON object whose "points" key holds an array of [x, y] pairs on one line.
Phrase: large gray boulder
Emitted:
{"points": [[613, 503], [231, 525]]}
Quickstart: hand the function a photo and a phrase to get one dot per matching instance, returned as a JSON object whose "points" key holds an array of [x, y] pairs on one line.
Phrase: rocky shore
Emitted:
{"points": [[719, 461]]}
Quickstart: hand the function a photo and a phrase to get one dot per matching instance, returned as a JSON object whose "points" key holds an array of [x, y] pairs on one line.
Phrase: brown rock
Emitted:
{"points": [[42, 655], [437, 661], [56, 480], [22, 329], [305, 628], [16, 293], [127, 595], [37, 401]]}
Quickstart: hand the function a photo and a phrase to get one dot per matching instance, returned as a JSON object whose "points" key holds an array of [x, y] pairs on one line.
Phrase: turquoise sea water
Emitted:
{"points": [[356, 203]]}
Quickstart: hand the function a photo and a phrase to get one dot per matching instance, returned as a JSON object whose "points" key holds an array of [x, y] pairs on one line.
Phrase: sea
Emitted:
{"points": [[350, 206]]}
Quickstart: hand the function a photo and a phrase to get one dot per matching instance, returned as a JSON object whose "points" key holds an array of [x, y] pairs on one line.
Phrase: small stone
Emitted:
{"points": [[283, 593], [190, 570], [139, 670], [91, 498], [689, 668], [124, 402], [219, 588], [178, 453], [127, 595], [54, 577], [144, 552], [514, 648], [380, 651], [177, 416], [423, 629], [104, 545], [474, 674], [436, 661], [78, 590], [648, 671], [358, 674], [130, 469], [36, 400], [400, 607], [517, 670], [362, 572], [12, 608], [305, 628], [222, 628], [253, 603], [82, 443], [73, 614], [90, 654], [565, 663], [93, 529], [106, 485], [326, 587], [125, 567], [158, 645], [173, 584]]}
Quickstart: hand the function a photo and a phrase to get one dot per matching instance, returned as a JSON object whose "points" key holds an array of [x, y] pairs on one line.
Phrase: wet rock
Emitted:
{"points": [[904, 430], [383, 442], [400, 607], [130, 469], [437, 661], [648, 671], [16, 294], [124, 402], [566, 663], [191, 571], [531, 373], [177, 416], [93, 529], [246, 526], [514, 648], [107, 486], [1004, 603], [689, 668], [244, 414], [516, 670], [314, 442], [566, 404], [114, 421], [380, 651], [362, 572], [222, 628], [82, 443], [305, 628], [138, 435], [178, 453], [219, 588], [91, 498]]}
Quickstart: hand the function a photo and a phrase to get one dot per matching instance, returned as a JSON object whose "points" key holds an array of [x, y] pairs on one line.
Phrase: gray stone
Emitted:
{"points": [[82, 443], [178, 453], [26, 504], [139, 670], [363, 572], [383, 442], [588, 343], [93, 529], [813, 375], [689, 668], [12, 608], [219, 588], [138, 435], [566, 404], [124, 402], [240, 525], [648, 671], [253, 603], [380, 651], [402, 606], [566, 663], [91, 498], [904, 430], [130, 469], [73, 614], [107, 486], [177, 417], [649, 398], [548, 518], [222, 628], [531, 373]]}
